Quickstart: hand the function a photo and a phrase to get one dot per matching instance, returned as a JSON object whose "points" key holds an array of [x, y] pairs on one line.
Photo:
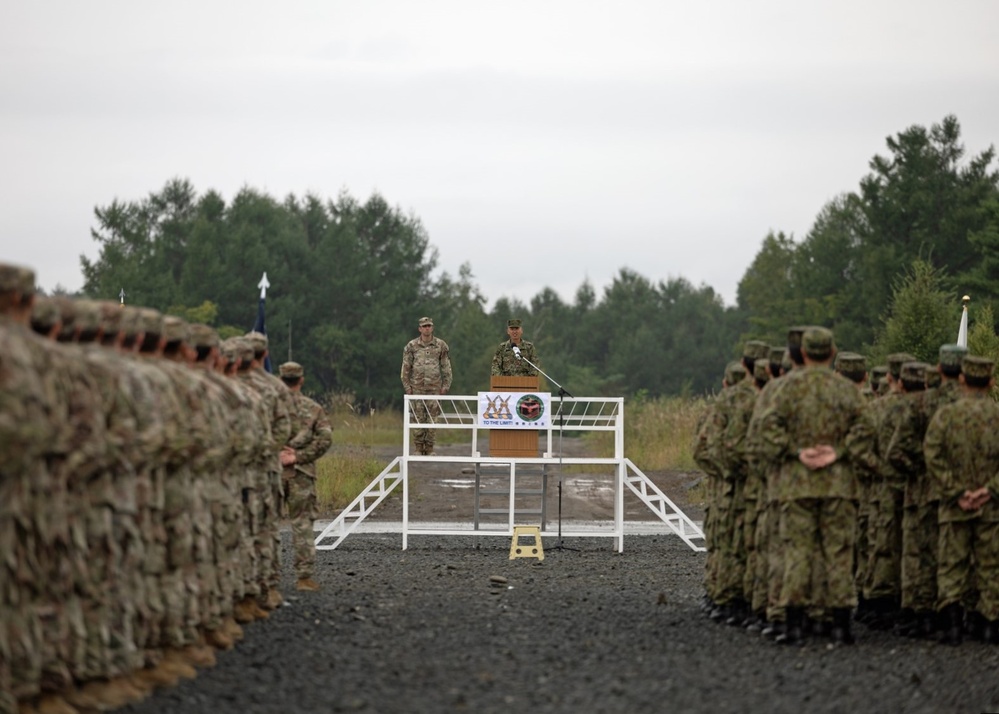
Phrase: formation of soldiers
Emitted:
{"points": [[143, 468], [837, 494]]}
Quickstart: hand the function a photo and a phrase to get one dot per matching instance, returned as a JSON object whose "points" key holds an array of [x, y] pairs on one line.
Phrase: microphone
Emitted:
{"points": [[516, 352]]}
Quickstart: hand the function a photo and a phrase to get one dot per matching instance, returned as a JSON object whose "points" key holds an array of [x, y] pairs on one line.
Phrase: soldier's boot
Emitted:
{"points": [[974, 625], [219, 639], [243, 611], [199, 655], [756, 621], [272, 600], [772, 629], [926, 624], [738, 612], [953, 619], [158, 676], [176, 661], [307, 584], [232, 628], [793, 633], [105, 695], [840, 633]]}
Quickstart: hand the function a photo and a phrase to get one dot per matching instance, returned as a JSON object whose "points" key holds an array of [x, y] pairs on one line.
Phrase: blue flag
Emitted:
{"points": [[258, 326]]}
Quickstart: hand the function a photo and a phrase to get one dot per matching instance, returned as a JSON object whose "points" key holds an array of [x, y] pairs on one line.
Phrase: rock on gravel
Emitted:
{"points": [[453, 625]]}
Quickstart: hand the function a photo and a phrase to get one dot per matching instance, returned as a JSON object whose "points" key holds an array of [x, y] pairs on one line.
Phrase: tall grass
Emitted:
{"points": [[658, 433], [342, 474]]}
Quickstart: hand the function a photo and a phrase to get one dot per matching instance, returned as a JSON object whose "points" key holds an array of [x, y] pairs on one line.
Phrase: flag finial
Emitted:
{"points": [[263, 285], [962, 330]]}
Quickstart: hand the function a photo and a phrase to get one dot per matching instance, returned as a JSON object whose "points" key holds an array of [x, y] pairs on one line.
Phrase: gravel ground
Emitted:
{"points": [[587, 630]]}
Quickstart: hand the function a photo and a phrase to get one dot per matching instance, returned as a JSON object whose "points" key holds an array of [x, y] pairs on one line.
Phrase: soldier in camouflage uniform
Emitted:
{"points": [[962, 455], [426, 369], [506, 362], [815, 430], [311, 437]]}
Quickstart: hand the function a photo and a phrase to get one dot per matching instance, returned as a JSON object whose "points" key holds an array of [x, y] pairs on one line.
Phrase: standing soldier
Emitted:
{"points": [[514, 356], [426, 369], [311, 436], [815, 430], [962, 455]]}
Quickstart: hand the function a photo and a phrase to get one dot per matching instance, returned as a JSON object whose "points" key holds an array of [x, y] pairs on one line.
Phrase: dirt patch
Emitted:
{"points": [[446, 491]]}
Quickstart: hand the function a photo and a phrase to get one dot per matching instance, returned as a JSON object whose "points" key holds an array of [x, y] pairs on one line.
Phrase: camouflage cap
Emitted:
{"points": [[424, 321], [851, 364], [130, 326], [817, 343], [291, 370], [111, 316], [17, 278], [243, 349], [977, 367], [45, 313], [88, 315], [149, 321], [933, 378], [760, 371], [794, 335], [754, 349], [878, 374], [227, 348], [256, 340], [914, 372], [776, 355], [895, 362], [951, 356], [203, 336], [175, 329], [513, 323], [735, 372], [786, 363]]}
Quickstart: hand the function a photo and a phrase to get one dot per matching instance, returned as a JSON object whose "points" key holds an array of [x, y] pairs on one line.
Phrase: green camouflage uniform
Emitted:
{"points": [[505, 362], [426, 369], [962, 453], [818, 508]]}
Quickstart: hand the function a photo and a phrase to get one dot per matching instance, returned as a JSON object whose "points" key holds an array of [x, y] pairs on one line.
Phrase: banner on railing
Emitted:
{"points": [[515, 410]]}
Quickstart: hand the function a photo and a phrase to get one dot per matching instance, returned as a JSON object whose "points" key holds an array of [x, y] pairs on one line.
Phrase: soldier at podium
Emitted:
{"points": [[514, 357]]}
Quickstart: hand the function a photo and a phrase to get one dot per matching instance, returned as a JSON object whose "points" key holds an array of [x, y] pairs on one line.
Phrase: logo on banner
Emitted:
{"points": [[528, 409]]}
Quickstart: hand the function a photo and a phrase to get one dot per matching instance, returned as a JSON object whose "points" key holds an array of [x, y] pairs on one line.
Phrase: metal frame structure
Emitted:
{"points": [[577, 415]]}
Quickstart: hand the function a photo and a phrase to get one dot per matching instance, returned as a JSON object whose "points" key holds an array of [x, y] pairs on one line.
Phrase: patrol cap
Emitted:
{"points": [[735, 372], [174, 329], [88, 315], [203, 336], [756, 350], [914, 372], [227, 348], [776, 355], [851, 364], [17, 278], [878, 374], [794, 335], [243, 349], [111, 316], [979, 368], [760, 373], [424, 321], [257, 341], [293, 370], [130, 326], [149, 321], [895, 362], [817, 343], [45, 312], [933, 378], [513, 323], [950, 357]]}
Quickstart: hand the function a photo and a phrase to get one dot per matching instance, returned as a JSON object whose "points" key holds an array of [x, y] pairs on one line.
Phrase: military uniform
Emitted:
{"points": [[962, 455], [311, 437], [505, 362], [426, 369]]}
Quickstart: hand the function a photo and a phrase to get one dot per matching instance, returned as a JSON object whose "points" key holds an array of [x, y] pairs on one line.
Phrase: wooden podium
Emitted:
{"points": [[514, 442]]}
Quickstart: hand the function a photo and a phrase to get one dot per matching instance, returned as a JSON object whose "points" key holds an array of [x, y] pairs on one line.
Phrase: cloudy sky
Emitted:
{"points": [[545, 143]]}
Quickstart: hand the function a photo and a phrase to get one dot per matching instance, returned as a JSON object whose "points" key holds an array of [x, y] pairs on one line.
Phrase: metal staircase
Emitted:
{"points": [[375, 492], [667, 511]]}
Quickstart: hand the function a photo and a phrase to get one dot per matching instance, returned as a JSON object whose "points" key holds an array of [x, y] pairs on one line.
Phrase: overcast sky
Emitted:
{"points": [[545, 143]]}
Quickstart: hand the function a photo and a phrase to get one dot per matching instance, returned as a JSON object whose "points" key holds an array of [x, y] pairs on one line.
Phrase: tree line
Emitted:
{"points": [[352, 278]]}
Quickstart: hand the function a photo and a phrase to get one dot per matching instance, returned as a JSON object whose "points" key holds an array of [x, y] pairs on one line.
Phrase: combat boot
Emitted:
{"points": [[793, 633], [990, 633], [273, 600], [219, 639], [232, 628], [840, 633], [53, 704], [307, 584], [953, 623]]}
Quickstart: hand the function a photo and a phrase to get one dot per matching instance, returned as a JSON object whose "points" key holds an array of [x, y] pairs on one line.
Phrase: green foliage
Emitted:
{"points": [[920, 318], [982, 338]]}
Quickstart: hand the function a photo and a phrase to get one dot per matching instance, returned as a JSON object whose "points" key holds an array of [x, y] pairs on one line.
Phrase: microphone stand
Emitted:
{"points": [[562, 393]]}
